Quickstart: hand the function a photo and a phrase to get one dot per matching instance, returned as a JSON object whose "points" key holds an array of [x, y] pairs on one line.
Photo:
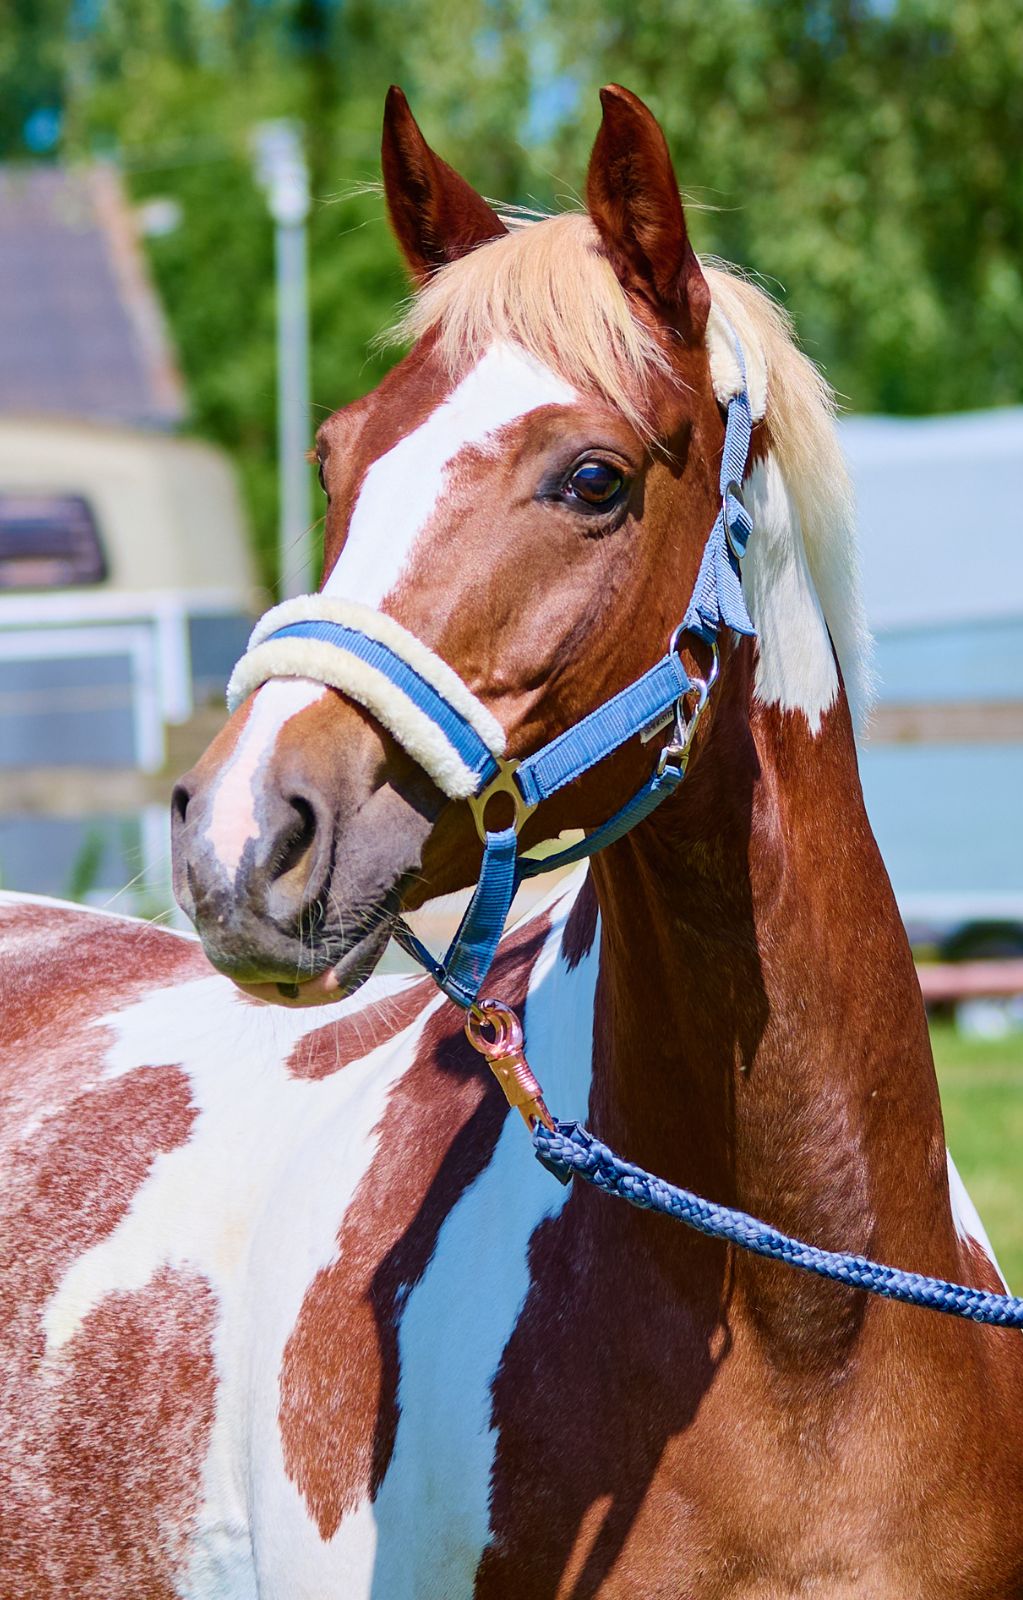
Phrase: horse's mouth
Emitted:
{"points": [[319, 976]]}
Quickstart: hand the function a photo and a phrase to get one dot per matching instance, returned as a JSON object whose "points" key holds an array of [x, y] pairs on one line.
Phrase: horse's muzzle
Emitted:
{"points": [[256, 895], [295, 864]]}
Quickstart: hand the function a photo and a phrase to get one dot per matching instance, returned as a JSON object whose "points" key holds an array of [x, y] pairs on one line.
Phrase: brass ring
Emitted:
{"points": [[503, 783]]}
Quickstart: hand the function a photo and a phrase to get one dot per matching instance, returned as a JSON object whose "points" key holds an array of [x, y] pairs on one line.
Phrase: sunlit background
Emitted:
{"points": [[188, 184]]}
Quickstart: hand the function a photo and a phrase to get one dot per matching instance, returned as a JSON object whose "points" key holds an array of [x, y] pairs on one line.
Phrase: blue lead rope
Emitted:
{"points": [[570, 1151]]}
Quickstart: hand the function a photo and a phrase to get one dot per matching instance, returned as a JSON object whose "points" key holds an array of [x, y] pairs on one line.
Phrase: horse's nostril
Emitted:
{"points": [[294, 843], [179, 802]]}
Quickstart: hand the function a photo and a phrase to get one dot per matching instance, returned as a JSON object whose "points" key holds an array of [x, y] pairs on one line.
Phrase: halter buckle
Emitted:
{"points": [[503, 783], [676, 752], [733, 489]]}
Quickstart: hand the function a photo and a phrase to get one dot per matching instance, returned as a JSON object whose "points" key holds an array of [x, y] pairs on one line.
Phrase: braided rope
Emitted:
{"points": [[570, 1150]]}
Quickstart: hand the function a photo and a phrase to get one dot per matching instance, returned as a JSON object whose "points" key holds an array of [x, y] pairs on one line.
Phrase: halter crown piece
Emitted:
{"points": [[423, 702]]}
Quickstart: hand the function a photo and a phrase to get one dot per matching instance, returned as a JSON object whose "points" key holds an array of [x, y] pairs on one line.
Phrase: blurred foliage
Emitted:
{"points": [[862, 157]]}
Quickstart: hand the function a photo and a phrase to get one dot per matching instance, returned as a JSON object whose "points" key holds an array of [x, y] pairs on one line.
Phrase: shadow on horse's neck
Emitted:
{"points": [[759, 1034]]}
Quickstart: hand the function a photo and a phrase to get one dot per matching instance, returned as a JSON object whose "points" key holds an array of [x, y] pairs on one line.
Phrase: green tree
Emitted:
{"points": [[863, 158], [33, 73]]}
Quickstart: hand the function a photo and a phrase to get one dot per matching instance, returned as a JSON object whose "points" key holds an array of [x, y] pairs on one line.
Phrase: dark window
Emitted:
{"points": [[48, 542]]}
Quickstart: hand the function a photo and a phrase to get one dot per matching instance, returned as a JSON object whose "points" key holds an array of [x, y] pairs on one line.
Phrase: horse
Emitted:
{"points": [[289, 1310]]}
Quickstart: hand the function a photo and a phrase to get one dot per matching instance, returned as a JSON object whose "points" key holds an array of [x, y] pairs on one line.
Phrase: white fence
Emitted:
{"points": [[149, 630]]}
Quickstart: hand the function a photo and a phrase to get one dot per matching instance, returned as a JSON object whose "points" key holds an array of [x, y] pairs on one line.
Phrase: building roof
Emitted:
{"points": [[81, 333], [940, 517]]}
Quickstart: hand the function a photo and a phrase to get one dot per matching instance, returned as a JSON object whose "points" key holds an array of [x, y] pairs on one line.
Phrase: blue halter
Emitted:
{"points": [[656, 699], [643, 708]]}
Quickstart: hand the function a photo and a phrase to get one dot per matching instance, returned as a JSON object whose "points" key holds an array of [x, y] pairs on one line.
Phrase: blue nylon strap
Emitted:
{"points": [[738, 433], [582, 747], [717, 598], [403, 936], [647, 799], [471, 952], [459, 733]]}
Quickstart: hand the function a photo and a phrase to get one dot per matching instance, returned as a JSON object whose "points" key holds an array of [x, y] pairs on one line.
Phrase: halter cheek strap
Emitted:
{"points": [[426, 706]]}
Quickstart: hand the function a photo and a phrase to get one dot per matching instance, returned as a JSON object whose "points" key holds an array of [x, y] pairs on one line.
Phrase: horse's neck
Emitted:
{"points": [[759, 1033]]}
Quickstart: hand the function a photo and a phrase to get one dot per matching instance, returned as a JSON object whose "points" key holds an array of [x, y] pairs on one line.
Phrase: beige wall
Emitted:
{"points": [[168, 509]]}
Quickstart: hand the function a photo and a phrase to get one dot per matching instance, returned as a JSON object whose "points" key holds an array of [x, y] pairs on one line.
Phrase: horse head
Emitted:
{"points": [[526, 494]]}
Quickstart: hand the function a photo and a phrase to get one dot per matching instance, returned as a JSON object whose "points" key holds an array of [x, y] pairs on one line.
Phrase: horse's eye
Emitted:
{"points": [[595, 481], [319, 474]]}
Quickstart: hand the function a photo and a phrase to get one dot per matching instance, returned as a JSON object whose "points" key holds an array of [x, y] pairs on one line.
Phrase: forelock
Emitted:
{"points": [[548, 287]]}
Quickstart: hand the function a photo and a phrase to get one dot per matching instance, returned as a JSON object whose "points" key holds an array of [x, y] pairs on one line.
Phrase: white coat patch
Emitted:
{"points": [[967, 1218], [233, 819], [796, 667], [253, 1201]]}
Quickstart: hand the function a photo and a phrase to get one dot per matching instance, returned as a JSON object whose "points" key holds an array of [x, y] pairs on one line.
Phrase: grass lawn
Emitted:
{"points": [[982, 1098]]}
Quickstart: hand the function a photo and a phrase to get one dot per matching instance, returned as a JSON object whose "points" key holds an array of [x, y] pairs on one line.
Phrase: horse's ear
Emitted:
{"points": [[633, 198], [435, 214]]}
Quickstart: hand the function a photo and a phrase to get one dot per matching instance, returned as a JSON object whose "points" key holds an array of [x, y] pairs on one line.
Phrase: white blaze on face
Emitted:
{"points": [[399, 496], [402, 489], [232, 818]]}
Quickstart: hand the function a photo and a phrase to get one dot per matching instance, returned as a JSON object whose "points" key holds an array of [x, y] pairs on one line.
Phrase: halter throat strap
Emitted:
{"points": [[457, 740]]}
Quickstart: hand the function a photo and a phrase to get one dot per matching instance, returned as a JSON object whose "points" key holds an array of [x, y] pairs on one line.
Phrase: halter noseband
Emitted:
{"points": [[426, 706]]}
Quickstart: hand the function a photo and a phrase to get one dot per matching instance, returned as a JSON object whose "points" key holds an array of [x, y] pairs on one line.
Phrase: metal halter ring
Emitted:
{"points": [[733, 489], [504, 783], [676, 751], [501, 1019]]}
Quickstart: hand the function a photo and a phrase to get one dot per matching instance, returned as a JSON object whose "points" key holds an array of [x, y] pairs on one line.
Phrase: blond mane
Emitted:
{"points": [[548, 287]]}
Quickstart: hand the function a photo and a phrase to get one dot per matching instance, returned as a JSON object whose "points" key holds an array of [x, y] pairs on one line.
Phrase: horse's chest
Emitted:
{"points": [[372, 1427]]}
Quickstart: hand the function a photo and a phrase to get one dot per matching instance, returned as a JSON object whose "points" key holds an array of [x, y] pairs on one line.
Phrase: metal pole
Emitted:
{"points": [[282, 171], [293, 554]]}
